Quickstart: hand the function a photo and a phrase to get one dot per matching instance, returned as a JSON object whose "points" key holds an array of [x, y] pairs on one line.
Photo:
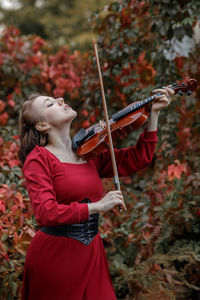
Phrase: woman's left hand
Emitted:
{"points": [[163, 100]]}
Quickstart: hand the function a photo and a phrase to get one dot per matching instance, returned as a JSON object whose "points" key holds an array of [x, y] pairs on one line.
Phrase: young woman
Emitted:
{"points": [[66, 259]]}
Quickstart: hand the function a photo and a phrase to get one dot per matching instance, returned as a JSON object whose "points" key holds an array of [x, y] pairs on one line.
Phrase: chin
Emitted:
{"points": [[74, 113]]}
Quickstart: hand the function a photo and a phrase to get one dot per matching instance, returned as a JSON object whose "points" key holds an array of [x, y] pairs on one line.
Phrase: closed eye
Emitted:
{"points": [[50, 104]]}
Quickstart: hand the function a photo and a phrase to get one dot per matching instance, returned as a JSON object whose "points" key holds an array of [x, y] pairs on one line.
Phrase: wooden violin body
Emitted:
{"points": [[92, 141]]}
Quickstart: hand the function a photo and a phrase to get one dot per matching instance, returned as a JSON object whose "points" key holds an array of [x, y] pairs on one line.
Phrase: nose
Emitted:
{"points": [[60, 101]]}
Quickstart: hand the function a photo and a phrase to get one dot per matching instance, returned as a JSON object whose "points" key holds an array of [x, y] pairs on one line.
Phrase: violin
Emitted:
{"points": [[92, 141]]}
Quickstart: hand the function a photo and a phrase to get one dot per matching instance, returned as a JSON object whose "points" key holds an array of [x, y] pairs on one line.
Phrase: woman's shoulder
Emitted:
{"points": [[37, 154]]}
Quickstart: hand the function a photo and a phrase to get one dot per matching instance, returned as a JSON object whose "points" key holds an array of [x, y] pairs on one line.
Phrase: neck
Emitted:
{"points": [[59, 138]]}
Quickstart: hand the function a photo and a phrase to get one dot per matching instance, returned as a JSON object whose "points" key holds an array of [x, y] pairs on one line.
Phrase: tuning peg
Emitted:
{"points": [[180, 93], [189, 92]]}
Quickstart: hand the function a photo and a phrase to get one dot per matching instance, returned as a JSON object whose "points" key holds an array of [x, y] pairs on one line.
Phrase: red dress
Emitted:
{"points": [[62, 268]]}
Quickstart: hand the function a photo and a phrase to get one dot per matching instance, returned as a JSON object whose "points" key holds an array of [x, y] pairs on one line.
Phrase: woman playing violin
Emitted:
{"points": [[66, 258]]}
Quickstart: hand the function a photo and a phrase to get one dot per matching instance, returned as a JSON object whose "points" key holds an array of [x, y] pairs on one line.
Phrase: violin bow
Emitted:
{"points": [[112, 153]]}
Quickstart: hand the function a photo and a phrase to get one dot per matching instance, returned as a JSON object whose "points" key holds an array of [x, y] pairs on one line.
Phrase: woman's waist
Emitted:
{"points": [[84, 231]]}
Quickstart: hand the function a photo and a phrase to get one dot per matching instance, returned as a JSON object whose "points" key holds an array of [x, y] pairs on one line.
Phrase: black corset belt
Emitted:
{"points": [[83, 232]]}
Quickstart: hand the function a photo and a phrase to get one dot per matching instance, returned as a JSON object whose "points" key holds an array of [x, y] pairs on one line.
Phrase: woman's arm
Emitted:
{"points": [[129, 160], [161, 102], [139, 156], [47, 211], [132, 159]]}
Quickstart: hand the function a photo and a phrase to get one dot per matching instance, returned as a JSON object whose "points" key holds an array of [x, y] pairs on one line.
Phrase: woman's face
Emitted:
{"points": [[54, 111]]}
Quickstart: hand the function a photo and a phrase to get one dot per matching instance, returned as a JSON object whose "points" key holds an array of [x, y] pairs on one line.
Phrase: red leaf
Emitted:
{"points": [[14, 162], [93, 119], [4, 118], [11, 102], [84, 113], [157, 267], [2, 206], [170, 169], [2, 105], [13, 147], [177, 172], [86, 124]]}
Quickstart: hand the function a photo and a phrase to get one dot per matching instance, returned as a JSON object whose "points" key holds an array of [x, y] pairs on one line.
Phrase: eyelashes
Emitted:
{"points": [[49, 104], [52, 103]]}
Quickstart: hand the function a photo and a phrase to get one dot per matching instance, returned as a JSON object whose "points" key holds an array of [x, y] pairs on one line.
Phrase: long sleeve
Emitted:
{"points": [[47, 211], [128, 160]]}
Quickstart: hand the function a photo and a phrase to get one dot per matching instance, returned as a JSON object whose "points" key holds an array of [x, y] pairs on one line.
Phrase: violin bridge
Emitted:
{"points": [[102, 124]]}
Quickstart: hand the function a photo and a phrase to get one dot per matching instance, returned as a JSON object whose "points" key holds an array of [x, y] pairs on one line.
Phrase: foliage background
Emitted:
{"points": [[58, 21], [153, 249]]}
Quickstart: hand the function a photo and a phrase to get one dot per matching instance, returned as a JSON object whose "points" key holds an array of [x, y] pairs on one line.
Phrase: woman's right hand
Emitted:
{"points": [[110, 200]]}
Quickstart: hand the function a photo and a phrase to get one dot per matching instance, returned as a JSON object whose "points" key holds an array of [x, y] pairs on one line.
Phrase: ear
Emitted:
{"points": [[42, 126]]}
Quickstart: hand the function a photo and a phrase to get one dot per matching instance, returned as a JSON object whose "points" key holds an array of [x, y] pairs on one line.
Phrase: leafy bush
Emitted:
{"points": [[154, 248], [27, 64], [16, 223]]}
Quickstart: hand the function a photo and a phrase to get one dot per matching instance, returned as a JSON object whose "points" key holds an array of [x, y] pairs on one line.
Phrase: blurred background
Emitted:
{"points": [[46, 46], [57, 21]]}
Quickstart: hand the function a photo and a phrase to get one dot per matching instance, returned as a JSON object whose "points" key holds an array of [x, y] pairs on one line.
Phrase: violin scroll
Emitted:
{"points": [[183, 88]]}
